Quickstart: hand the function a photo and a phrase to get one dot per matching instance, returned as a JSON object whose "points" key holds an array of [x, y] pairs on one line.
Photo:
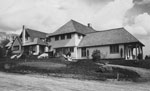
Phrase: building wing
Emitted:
{"points": [[108, 37]]}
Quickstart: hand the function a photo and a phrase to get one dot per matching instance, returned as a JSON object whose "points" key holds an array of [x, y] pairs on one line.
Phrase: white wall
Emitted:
{"points": [[74, 54], [37, 50], [78, 39], [16, 43], [79, 54], [62, 43], [73, 42], [105, 52]]}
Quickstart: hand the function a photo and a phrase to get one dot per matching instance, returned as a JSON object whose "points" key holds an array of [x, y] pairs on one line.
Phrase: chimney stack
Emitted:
{"points": [[23, 27], [89, 25], [23, 34]]}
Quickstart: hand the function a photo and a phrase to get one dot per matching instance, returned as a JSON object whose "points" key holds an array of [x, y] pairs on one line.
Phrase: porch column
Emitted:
{"points": [[136, 52], [139, 51], [125, 52], [131, 53], [142, 51], [37, 49]]}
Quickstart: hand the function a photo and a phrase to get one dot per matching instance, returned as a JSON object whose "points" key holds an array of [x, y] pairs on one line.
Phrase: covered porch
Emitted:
{"points": [[34, 49], [133, 51]]}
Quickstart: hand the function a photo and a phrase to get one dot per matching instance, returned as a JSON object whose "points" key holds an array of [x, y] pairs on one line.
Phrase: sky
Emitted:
{"points": [[49, 15]]}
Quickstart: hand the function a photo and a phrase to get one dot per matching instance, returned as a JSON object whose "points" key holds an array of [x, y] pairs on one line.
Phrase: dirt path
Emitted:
{"points": [[144, 73], [15, 82]]}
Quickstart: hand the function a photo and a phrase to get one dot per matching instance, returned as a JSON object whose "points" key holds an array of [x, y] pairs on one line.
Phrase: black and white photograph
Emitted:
{"points": [[74, 45]]}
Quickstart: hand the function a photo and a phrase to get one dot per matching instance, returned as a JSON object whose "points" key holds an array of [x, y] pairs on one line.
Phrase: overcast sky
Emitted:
{"points": [[49, 15]]}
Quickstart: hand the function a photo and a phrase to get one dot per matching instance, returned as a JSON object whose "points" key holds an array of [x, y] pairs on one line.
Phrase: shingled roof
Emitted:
{"points": [[108, 37], [71, 27], [35, 42], [36, 34]]}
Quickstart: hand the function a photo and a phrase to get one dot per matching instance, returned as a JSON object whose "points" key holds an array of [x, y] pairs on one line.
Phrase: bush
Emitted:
{"points": [[9, 52], [2, 52], [96, 55], [2, 48], [147, 57]]}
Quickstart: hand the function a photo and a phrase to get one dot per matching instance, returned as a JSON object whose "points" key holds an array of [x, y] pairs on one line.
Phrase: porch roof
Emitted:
{"points": [[108, 37]]}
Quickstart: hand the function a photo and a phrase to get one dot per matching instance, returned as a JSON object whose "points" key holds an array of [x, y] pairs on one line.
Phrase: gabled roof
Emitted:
{"points": [[35, 42], [71, 27], [36, 34], [108, 37], [11, 43]]}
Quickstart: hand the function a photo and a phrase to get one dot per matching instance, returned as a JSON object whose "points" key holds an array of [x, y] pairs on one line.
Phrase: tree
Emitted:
{"points": [[4, 42], [96, 55], [2, 47], [1, 52]]}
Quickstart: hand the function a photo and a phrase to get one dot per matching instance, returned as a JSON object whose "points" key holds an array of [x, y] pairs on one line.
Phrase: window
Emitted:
{"points": [[68, 36], [83, 52], [79, 36], [56, 37], [71, 49], [43, 39], [48, 39], [49, 47], [114, 49], [62, 37], [16, 48]]}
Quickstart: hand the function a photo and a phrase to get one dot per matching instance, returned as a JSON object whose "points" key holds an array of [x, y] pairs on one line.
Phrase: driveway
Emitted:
{"points": [[15, 82], [144, 73]]}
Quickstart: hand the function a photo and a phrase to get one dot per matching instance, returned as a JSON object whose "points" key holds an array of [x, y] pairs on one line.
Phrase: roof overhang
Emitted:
{"points": [[115, 44]]}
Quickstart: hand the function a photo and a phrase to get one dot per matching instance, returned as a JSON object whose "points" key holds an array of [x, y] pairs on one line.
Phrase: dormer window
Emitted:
{"points": [[62, 37], [56, 38], [68, 36]]}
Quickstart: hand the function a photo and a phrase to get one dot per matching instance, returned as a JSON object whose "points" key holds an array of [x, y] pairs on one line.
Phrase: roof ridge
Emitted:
{"points": [[106, 30], [35, 30], [71, 27], [73, 21]]}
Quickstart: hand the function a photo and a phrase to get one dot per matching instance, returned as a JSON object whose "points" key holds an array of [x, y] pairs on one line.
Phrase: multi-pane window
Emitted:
{"points": [[62, 37], [16, 48], [114, 49], [71, 49], [83, 52], [56, 37], [68, 36]]}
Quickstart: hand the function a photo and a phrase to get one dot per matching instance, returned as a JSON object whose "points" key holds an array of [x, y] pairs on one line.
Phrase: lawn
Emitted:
{"points": [[82, 69], [43, 65]]}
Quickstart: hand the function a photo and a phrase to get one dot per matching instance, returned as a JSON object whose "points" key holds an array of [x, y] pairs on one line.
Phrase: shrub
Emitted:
{"points": [[147, 57], [2, 52], [2, 47], [96, 55], [9, 52]]}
